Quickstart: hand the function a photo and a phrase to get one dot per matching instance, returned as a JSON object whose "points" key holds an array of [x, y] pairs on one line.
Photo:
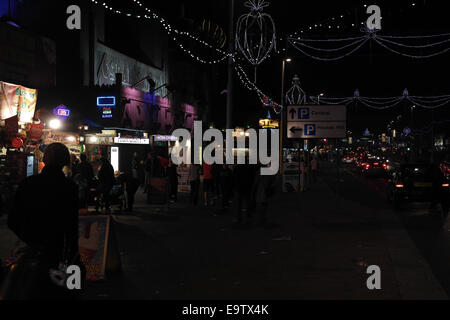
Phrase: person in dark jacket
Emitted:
{"points": [[173, 176], [131, 187], [106, 179], [243, 179], [226, 185], [83, 178], [44, 215]]}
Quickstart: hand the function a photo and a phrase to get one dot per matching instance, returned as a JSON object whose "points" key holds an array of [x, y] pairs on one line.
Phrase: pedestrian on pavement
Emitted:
{"points": [[149, 169], [85, 177], [131, 187], [106, 182], [243, 179], [173, 176], [207, 183], [44, 215], [163, 164], [194, 180], [314, 169], [302, 175], [226, 185], [216, 181], [263, 189]]}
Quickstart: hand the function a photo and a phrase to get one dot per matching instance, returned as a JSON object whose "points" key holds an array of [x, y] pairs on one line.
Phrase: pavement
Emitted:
{"points": [[318, 246]]}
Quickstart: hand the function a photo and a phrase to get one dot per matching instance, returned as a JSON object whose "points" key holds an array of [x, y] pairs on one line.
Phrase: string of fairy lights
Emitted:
{"points": [[325, 46]]}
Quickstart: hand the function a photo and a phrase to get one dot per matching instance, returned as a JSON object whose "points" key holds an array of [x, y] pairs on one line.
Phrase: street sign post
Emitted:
{"points": [[317, 122]]}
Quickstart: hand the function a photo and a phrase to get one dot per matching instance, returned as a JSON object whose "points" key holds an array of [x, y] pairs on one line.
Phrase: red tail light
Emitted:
{"points": [[446, 185], [399, 186]]}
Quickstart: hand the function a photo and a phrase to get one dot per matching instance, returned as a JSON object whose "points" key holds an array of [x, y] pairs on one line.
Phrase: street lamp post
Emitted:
{"points": [[283, 111], [318, 98], [230, 68]]}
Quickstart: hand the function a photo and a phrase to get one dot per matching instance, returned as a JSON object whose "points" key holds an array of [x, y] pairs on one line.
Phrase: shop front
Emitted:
{"points": [[118, 146]]}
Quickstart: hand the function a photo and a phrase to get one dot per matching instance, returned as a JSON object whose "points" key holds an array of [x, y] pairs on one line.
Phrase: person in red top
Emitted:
{"points": [[207, 182]]}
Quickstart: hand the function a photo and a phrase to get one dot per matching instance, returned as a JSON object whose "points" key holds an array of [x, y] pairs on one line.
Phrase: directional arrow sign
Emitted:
{"points": [[293, 113], [294, 130], [317, 113], [316, 130], [316, 122]]}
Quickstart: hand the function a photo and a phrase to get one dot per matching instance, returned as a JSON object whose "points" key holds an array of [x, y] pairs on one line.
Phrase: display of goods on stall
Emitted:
{"points": [[35, 131], [17, 164], [17, 143], [16, 100]]}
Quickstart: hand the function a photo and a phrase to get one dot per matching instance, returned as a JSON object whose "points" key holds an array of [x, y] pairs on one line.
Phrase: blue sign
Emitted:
{"points": [[106, 101], [303, 114], [61, 111], [310, 130]]}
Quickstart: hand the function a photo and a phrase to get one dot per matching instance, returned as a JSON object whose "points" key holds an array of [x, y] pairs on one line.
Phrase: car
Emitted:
{"points": [[373, 167], [418, 183], [348, 160]]}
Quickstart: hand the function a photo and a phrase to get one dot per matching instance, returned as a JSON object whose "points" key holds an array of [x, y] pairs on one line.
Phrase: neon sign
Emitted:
{"points": [[61, 111], [106, 101]]}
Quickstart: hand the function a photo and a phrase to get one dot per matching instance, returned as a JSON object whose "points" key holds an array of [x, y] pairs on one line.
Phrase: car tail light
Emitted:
{"points": [[445, 185], [399, 185], [367, 167]]}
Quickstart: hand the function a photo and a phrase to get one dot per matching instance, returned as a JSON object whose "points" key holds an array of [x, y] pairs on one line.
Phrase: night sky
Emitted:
{"points": [[373, 70]]}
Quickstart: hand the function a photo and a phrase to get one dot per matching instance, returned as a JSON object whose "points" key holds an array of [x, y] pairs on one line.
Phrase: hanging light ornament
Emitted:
{"points": [[295, 95], [256, 33]]}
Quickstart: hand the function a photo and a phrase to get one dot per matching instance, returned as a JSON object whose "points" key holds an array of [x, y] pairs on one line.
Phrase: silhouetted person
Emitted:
{"points": [[194, 179], [106, 181], [84, 177], [263, 188], [243, 178], [226, 185], [173, 175], [149, 171], [131, 187], [207, 183], [45, 216]]}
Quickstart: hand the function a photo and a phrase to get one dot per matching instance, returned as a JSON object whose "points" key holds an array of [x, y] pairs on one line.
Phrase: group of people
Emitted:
{"points": [[243, 184], [308, 172]]}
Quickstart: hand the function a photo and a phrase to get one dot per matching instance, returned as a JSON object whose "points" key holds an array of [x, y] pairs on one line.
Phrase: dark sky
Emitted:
{"points": [[372, 70]]}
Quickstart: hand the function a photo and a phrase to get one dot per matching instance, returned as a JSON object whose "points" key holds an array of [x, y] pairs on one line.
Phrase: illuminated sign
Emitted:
{"points": [[165, 138], [131, 141], [106, 101], [269, 124], [61, 111], [107, 113]]}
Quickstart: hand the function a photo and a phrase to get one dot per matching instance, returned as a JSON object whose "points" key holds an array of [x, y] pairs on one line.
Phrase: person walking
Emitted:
{"points": [[207, 183], [243, 179], [149, 170], [106, 183], [216, 168], [131, 187], [173, 176], [314, 169], [194, 180], [263, 189], [302, 175], [226, 185], [85, 177], [44, 215]]}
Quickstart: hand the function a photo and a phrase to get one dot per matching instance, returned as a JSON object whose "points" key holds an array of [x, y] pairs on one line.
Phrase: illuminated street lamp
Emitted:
{"points": [[55, 124]]}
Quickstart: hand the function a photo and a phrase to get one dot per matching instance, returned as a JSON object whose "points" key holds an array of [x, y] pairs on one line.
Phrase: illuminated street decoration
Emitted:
{"points": [[256, 33]]}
